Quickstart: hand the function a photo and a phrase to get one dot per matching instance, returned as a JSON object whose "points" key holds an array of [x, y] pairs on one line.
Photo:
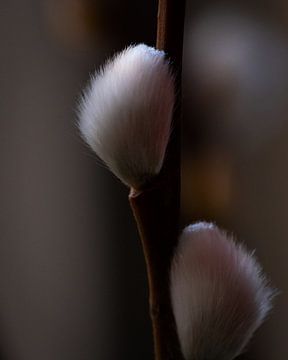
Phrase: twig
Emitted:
{"points": [[156, 208]]}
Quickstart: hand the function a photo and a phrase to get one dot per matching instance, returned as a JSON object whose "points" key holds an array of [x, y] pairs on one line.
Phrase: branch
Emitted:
{"points": [[156, 208]]}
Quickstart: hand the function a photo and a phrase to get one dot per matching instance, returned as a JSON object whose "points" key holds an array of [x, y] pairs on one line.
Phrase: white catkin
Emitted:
{"points": [[219, 294], [126, 111]]}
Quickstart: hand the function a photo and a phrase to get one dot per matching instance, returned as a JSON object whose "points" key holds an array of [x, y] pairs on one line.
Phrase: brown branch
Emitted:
{"points": [[156, 208]]}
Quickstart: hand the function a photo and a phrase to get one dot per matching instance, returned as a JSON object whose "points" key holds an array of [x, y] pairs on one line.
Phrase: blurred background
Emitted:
{"points": [[72, 276]]}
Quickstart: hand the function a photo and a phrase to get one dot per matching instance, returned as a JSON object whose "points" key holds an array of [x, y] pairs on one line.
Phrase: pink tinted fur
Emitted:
{"points": [[219, 294]]}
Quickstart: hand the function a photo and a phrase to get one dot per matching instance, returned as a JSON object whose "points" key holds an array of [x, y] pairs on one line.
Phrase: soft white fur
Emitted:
{"points": [[126, 112], [219, 294]]}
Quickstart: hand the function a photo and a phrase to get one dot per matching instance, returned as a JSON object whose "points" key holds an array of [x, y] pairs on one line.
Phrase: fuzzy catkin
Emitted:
{"points": [[219, 294], [126, 111]]}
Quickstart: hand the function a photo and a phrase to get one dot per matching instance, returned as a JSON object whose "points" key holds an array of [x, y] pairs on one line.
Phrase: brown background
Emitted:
{"points": [[72, 276]]}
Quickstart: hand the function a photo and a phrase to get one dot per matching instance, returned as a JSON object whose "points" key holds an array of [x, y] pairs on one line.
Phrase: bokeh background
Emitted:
{"points": [[72, 276]]}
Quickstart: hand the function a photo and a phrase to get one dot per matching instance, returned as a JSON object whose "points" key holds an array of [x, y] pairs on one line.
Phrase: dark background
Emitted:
{"points": [[72, 276]]}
